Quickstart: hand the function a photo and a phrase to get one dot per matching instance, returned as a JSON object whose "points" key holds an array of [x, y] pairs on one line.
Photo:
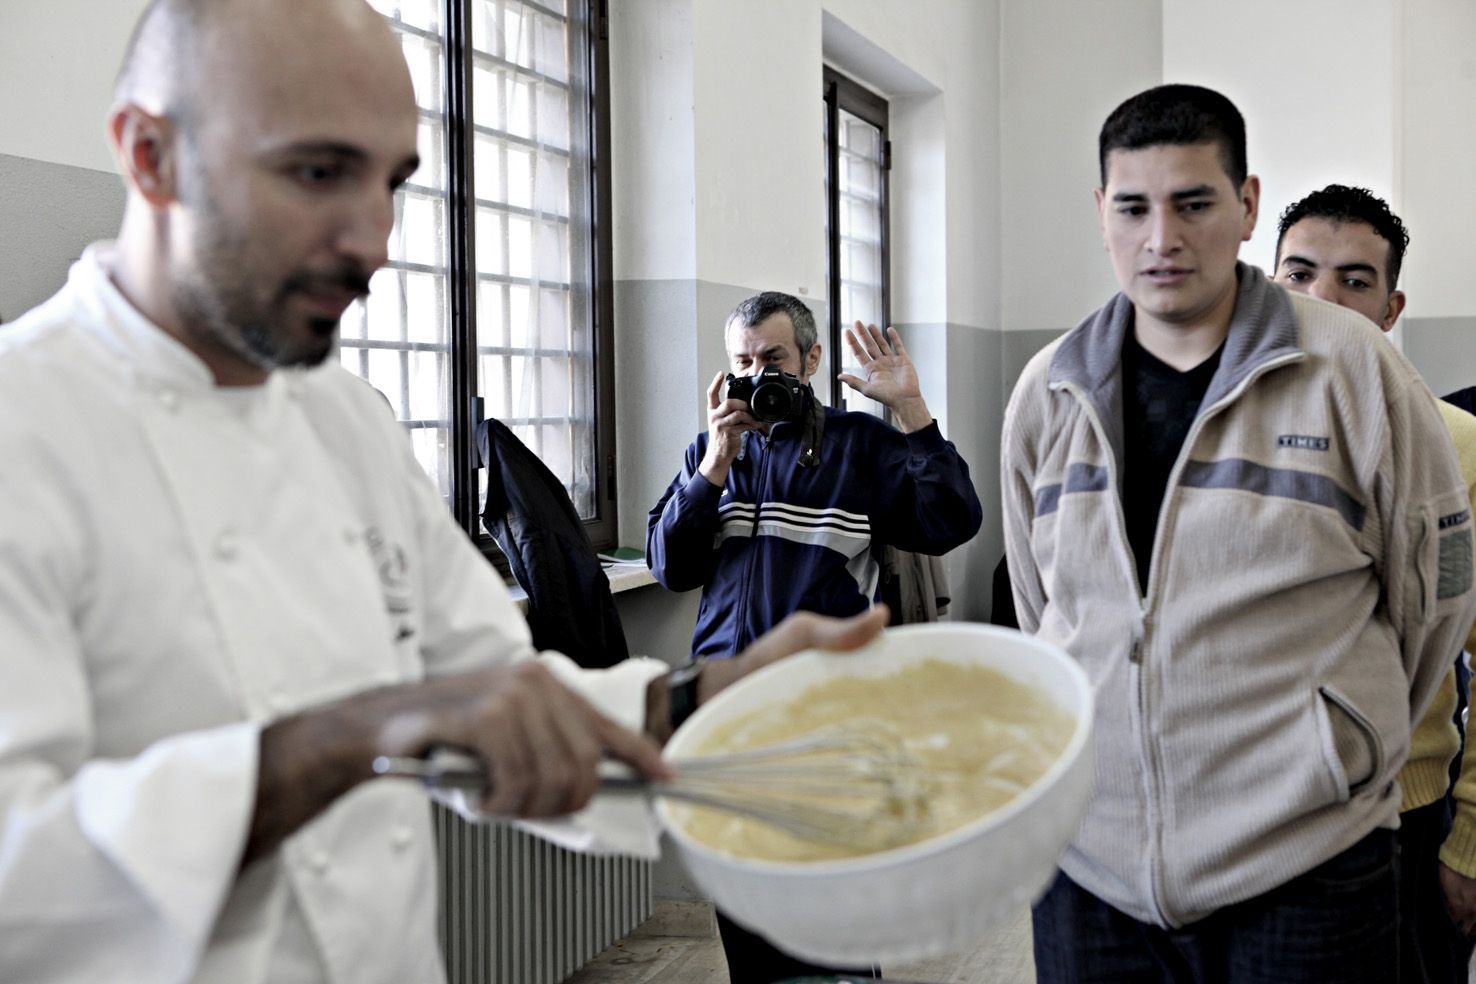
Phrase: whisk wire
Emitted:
{"points": [[854, 786]]}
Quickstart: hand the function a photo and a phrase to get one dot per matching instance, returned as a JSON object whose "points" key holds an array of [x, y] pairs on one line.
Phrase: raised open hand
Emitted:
{"points": [[887, 374]]}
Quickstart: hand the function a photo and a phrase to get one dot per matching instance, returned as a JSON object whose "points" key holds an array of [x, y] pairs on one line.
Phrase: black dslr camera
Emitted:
{"points": [[773, 395]]}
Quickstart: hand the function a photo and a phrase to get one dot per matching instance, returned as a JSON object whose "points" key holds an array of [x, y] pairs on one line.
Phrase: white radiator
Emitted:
{"points": [[518, 910]]}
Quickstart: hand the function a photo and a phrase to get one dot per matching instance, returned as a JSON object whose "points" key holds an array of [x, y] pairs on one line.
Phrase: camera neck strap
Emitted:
{"points": [[812, 429]]}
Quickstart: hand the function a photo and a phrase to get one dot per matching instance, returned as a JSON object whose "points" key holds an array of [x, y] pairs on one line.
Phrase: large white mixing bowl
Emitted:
{"points": [[925, 899]]}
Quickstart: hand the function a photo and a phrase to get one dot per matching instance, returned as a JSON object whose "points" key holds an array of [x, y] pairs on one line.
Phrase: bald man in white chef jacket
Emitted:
{"points": [[225, 583]]}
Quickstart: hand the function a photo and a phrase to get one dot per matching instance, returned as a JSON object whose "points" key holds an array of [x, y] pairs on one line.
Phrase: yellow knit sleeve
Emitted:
{"points": [[1462, 428], [1459, 849]]}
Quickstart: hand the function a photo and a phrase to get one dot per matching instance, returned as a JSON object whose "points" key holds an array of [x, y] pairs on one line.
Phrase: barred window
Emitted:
{"points": [[858, 158], [496, 299]]}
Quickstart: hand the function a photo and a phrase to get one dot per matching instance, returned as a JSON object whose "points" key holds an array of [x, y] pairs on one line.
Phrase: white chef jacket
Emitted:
{"points": [[179, 564]]}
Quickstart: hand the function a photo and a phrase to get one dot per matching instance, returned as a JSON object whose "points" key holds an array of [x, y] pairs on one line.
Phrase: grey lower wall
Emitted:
{"points": [[656, 397], [48, 213], [1443, 350], [1018, 347], [956, 366]]}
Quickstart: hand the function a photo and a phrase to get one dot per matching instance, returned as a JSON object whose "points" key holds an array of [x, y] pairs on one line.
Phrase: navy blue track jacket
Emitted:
{"points": [[778, 538]]}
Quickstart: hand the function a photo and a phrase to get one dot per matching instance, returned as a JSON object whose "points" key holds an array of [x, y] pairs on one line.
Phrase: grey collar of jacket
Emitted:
{"points": [[1263, 327]]}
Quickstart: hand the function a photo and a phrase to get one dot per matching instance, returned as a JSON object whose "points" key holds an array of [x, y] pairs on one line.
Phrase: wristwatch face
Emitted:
{"points": [[687, 673]]}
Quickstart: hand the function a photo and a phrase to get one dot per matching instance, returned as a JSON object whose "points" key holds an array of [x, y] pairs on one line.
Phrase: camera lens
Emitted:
{"points": [[771, 402]]}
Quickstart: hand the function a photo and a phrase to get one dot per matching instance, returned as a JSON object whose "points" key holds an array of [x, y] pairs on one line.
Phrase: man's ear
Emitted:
{"points": [[812, 360], [1395, 309], [147, 152], [1250, 200]]}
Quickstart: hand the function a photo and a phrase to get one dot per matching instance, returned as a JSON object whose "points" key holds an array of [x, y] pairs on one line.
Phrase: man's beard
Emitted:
{"points": [[219, 308], [217, 303]]}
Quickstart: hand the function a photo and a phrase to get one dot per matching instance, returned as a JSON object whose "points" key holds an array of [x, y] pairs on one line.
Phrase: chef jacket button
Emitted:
{"points": [[319, 861], [350, 536], [401, 837], [227, 545], [169, 400]]}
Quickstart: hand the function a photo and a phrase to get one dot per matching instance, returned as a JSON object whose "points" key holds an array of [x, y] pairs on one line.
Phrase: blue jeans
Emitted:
{"points": [[1336, 923]]}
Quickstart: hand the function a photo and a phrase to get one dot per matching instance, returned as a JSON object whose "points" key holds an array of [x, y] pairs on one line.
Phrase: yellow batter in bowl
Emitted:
{"points": [[978, 738]]}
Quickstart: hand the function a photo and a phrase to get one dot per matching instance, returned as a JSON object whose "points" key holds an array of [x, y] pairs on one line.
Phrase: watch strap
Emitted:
{"points": [[682, 690]]}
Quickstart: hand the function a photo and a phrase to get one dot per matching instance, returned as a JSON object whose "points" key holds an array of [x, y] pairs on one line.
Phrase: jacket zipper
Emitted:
{"points": [[1161, 537], [1147, 750]]}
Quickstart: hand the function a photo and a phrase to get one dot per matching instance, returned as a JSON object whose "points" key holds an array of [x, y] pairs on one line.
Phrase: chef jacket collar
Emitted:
{"points": [[150, 354]]}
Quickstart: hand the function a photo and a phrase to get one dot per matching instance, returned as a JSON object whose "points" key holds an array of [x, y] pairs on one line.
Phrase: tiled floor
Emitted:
{"points": [[678, 945]]}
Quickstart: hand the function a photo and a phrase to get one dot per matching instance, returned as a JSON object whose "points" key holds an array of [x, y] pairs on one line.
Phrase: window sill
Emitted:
{"points": [[622, 578], [629, 578]]}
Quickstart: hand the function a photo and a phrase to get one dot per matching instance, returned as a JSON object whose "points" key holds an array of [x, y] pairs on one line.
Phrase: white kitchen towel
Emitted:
{"points": [[613, 823]]}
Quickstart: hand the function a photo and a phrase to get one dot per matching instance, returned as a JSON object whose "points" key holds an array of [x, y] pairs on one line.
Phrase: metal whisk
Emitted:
{"points": [[850, 785]]}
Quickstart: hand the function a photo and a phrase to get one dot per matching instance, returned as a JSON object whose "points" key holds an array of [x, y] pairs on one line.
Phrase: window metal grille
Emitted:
{"points": [[399, 337], [856, 196], [493, 303]]}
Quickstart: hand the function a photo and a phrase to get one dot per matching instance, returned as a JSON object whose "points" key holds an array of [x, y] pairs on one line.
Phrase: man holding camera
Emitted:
{"points": [[785, 504]]}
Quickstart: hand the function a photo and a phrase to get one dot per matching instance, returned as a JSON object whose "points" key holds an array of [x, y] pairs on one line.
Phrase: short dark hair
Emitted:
{"points": [[760, 307], [1341, 203], [1176, 114]]}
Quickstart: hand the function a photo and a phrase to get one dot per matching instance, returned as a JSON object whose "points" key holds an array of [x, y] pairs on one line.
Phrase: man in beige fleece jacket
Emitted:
{"points": [[1345, 246], [1239, 509]]}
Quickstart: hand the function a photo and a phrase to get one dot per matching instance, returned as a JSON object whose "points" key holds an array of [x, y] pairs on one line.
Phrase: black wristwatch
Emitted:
{"points": [[681, 686]]}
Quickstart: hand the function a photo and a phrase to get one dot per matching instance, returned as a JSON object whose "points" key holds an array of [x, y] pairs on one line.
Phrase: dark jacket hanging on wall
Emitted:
{"points": [[528, 513]]}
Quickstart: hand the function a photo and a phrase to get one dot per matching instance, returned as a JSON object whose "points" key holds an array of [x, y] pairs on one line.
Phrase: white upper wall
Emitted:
{"points": [[724, 179], [653, 214], [1438, 134], [759, 160], [1362, 92], [942, 85], [57, 94], [1359, 91], [1316, 83], [1065, 67], [971, 121], [918, 210], [718, 167]]}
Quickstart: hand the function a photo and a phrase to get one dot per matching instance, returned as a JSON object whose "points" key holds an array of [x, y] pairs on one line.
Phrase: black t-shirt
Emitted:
{"points": [[1158, 404]]}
